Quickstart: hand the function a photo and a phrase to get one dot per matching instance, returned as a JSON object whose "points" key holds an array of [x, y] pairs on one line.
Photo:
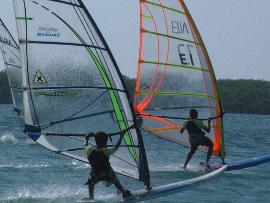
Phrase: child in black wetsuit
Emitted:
{"points": [[101, 169], [197, 136]]}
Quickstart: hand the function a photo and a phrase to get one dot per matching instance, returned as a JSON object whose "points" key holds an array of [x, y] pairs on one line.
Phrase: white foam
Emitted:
{"points": [[51, 192], [79, 164], [167, 167], [30, 142], [25, 165], [176, 167], [8, 138]]}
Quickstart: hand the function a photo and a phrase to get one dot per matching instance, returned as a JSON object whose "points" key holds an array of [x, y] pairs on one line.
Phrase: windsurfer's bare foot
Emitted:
{"points": [[91, 198], [182, 168], [126, 194]]}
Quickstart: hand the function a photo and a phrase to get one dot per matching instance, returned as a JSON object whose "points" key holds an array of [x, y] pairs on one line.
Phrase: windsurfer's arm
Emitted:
{"points": [[183, 127], [123, 132], [208, 127], [137, 123], [116, 147], [87, 137]]}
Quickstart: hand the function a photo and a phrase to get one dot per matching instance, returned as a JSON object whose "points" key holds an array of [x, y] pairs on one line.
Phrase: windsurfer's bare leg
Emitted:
{"points": [[120, 188], [91, 187], [210, 151], [190, 154], [207, 142]]}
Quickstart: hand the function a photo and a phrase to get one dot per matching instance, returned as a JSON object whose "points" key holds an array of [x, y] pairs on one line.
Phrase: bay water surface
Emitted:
{"points": [[30, 173]]}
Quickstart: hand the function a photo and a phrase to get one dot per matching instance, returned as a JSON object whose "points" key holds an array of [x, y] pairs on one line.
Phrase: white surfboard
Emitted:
{"points": [[163, 190]]}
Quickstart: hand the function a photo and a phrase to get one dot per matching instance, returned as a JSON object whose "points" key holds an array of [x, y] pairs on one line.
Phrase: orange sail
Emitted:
{"points": [[175, 74]]}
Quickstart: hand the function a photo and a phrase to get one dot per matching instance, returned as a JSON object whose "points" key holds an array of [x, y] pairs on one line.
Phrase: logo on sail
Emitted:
{"points": [[39, 78], [5, 40], [179, 27], [48, 31]]}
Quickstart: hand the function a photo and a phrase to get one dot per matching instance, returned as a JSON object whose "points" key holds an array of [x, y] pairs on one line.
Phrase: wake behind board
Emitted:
{"points": [[164, 190], [241, 164], [201, 168]]}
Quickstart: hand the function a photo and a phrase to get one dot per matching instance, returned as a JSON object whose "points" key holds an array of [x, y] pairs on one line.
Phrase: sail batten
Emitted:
{"points": [[162, 6], [174, 65], [61, 43], [170, 36]]}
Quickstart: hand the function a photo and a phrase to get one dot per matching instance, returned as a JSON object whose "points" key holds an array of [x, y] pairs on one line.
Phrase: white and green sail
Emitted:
{"points": [[72, 85], [12, 60]]}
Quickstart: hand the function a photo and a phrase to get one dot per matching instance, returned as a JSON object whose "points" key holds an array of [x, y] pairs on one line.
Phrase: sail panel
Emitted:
{"points": [[56, 31], [11, 55], [174, 73], [73, 85]]}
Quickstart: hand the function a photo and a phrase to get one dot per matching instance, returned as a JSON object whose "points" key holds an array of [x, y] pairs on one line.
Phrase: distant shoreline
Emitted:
{"points": [[237, 96]]}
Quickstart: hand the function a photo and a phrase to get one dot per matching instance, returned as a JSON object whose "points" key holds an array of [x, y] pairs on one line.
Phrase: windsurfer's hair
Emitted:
{"points": [[101, 139], [193, 114]]}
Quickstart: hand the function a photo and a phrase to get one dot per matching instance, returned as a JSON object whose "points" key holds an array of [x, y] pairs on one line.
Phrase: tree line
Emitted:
{"points": [[237, 96], [245, 96], [5, 95]]}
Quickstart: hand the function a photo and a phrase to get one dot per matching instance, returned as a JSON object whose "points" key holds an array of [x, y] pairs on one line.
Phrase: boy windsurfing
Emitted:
{"points": [[99, 156], [197, 136]]}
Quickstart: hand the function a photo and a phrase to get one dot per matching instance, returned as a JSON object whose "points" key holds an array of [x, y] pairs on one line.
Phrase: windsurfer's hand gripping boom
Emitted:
{"points": [[136, 124]]}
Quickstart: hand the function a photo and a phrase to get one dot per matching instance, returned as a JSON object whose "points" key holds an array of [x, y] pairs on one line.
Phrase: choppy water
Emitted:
{"points": [[29, 173]]}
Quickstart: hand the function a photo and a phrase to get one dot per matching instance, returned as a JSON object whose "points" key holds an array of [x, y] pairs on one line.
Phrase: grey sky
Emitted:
{"points": [[236, 33]]}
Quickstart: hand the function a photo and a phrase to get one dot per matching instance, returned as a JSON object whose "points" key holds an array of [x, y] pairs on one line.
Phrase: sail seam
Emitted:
{"points": [[177, 94], [68, 3], [74, 87], [170, 36], [9, 45], [13, 65], [61, 43], [13, 52]]}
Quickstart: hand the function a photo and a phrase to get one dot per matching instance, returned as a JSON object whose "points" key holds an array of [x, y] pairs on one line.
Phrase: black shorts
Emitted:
{"points": [[109, 177], [200, 140]]}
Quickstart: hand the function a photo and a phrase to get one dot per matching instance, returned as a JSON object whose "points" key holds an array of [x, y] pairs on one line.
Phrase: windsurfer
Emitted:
{"points": [[99, 156], [197, 136]]}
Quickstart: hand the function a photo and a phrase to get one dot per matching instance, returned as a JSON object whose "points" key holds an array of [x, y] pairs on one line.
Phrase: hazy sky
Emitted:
{"points": [[235, 32]]}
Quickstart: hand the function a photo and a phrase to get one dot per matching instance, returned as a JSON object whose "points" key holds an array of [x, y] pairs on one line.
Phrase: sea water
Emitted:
{"points": [[30, 173]]}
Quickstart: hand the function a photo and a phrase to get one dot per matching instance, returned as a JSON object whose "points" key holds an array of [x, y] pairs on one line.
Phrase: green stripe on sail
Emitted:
{"points": [[116, 106], [24, 18], [177, 94], [170, 36], [175, 65], [166, 7], [147, 16]]}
